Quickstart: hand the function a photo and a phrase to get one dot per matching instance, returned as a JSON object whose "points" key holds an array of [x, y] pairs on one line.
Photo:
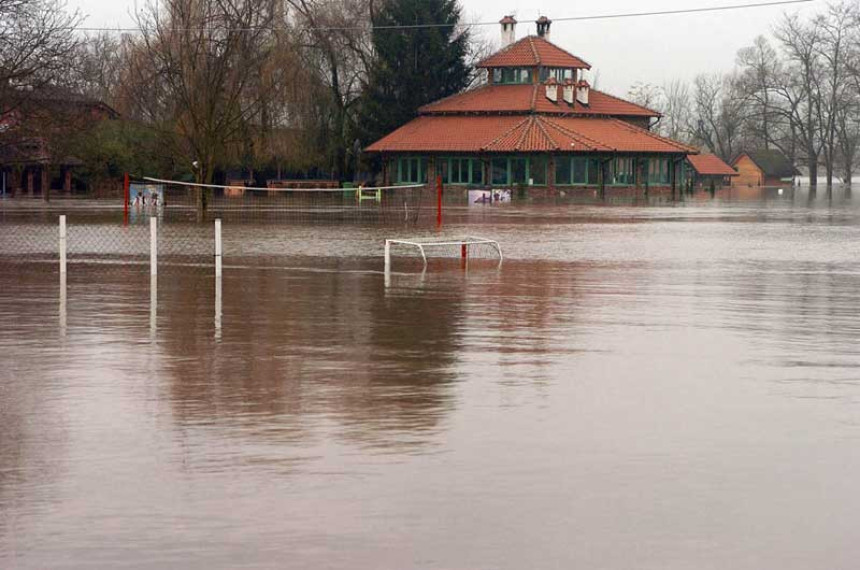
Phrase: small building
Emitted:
{"points": [[763, 168], [535, 127], [35, 155], [708, 171]]}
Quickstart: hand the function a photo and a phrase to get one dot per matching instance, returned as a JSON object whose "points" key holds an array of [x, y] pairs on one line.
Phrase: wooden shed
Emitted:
{"points": [[763, 168]]}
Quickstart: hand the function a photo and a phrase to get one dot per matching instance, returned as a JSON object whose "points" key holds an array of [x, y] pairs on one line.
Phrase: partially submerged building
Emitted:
{"points": [[536, 125], [764, 168], [709, 171]]}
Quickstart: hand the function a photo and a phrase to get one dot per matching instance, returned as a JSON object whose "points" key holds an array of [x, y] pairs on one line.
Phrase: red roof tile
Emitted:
{"points": [[711, 165], [532, 133], [532, 51], [532, 97]]}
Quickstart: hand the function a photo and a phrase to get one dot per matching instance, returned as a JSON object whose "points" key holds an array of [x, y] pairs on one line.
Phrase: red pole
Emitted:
{"points": [[439, 201], [463, 251], [126, 197]]}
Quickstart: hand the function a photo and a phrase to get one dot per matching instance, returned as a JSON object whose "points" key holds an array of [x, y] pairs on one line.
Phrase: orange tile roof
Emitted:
{"points": [[711, 165], [529, 133], [532, 51], [532, 98]]}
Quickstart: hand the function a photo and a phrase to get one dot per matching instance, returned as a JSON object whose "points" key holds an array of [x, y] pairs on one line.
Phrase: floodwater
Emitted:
{"points": [[655, 387]]}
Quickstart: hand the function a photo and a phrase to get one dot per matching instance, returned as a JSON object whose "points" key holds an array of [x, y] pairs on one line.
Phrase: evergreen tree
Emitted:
{"points": [[412, 66]]}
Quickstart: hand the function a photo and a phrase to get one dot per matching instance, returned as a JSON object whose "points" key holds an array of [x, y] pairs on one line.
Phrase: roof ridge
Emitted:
{"points": [[524, 133], [666, 140], [504, 134], [579, 137], [542, 127], [534, 50]]}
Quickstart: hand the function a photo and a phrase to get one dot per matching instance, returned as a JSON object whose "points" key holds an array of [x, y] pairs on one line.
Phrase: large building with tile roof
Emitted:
{"points": [[535, 124]]}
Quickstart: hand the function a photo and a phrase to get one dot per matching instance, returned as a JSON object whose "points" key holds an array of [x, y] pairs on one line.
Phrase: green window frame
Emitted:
{"points": [[518, 171], [658, 171], [462, 171], [622, 172], [512, 75], [411, 170], [577, 171]]}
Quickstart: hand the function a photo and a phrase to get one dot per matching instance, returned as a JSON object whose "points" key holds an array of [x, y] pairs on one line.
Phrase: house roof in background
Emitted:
{"points": [[530, 133], [708, 164], [532, 51], [772, 163], [532, 98]]}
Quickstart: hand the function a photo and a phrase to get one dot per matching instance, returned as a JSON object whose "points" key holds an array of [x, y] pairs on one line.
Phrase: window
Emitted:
{"points": [[537, 170], [516, 171], [512, 75], [577, 170], [499, 171], [658, 171], [559, 73], [623, 172], [563, 172], [462, 170], [411, 170]]}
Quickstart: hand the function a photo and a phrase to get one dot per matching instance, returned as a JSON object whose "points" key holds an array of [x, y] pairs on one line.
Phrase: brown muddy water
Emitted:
{"points": [[635, 387]]}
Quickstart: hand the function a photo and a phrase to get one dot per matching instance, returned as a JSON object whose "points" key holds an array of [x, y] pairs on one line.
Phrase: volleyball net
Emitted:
{"points": [[300, 202]]}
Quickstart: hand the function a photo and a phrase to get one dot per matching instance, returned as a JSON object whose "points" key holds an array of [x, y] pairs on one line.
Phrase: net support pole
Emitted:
{"points": [[218, 249], [153, 246], [62, 245], [126, 193], [463, 251], [439, 201], [387, 256]]}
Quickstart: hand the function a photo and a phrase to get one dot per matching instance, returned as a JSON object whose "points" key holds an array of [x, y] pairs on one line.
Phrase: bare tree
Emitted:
{"points": [[37, 42], [193, 68], [716, 118]]}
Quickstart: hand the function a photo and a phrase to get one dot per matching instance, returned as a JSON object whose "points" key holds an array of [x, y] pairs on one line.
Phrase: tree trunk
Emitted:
{"points": [[813, 173]]}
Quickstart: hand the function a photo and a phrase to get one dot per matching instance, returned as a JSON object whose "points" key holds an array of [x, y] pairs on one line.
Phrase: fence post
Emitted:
{"points": [[439, 200], [153, 246], [126, 193], [218, 248], [62, 245]]}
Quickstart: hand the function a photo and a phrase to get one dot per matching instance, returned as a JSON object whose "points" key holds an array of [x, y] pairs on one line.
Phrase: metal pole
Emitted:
{"points": [[218, 249], [62, 245], [387, 256], [439, 201], [153, 246]]}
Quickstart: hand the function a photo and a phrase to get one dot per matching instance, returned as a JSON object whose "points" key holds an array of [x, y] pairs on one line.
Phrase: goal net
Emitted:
{"points": [[426, 249]]}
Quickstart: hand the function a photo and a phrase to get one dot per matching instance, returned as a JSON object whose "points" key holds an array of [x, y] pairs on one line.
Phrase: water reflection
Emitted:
{"points": [[681, 377]]}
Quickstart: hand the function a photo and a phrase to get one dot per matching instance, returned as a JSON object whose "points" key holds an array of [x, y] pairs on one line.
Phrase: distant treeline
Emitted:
{"points": [[797, 92]]}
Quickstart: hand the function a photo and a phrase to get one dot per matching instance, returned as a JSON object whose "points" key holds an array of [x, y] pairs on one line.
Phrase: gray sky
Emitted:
{"points": [[649, 49]]}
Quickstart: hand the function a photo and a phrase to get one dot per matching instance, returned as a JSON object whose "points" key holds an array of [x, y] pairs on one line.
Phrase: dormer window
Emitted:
{"points": [[512, 75]]}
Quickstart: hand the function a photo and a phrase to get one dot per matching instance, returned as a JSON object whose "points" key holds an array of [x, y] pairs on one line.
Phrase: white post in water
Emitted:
{"points": [[388, 263], [62, 245], [387, 255], [218, 307], [63, 297], [153, 246], [153, 306], [218, 248]]}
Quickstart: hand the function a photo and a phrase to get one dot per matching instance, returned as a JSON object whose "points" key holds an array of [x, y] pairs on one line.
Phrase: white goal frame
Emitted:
{"points": [[423, 244]]}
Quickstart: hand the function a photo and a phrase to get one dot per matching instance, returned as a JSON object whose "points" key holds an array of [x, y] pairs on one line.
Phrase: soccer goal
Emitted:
{"points": [[451, 248]]}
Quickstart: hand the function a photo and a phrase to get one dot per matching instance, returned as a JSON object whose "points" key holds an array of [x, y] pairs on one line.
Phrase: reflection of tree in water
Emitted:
{"points": [[301, 348]]}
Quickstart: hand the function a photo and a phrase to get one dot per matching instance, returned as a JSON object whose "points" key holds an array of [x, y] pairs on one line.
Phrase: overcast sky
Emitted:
{"points": [[652, 49]]}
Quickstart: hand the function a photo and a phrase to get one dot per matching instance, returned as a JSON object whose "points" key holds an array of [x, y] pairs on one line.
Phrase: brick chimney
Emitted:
{"points": [[582, 89], [509, 30], [551, 86], [543, 24]]}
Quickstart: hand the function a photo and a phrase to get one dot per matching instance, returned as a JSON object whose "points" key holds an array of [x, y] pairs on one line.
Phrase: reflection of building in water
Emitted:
{"points": [[311, 345]]}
